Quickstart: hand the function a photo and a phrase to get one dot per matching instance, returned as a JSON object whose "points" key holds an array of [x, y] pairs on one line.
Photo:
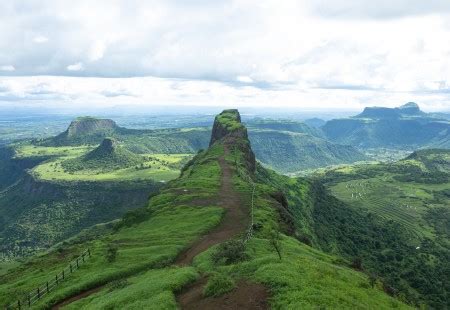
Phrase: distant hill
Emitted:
{"points": [[284, 145], [107, 156], [287, 151], [405, 126], [85, 130]]}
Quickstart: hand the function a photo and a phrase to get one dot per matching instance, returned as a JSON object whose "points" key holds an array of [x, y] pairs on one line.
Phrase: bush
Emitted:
{"points": [[218, 284], [111, 253], [230, 252]]}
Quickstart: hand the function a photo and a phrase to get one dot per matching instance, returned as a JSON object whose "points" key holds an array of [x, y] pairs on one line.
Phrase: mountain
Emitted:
{"points": [[222, 232], [85, 130], [284, 145], [106, 157], [403, 127]]}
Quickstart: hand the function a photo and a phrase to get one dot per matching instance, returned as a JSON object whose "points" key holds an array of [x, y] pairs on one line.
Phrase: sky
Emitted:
{"points": [[305, 54]]}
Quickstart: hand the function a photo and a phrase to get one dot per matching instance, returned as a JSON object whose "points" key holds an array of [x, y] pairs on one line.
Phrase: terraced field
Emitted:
{"points": [[401, 202]]}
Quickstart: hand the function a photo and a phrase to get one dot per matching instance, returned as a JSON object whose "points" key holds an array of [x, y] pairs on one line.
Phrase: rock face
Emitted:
{"points": [[89, 126], [229, 130]]}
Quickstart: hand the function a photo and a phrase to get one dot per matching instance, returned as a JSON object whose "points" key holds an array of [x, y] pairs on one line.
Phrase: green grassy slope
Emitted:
{"points": [[149, 239], [46, 203], [410, 199]]}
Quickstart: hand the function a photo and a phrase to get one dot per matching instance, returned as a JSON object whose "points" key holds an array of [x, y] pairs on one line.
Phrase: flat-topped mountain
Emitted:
{"points": [[405, 126], [408, 109], [84, 130], [89, 125]]}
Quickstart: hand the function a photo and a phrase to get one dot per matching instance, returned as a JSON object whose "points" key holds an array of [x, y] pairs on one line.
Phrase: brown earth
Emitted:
{"points": [[233, 222], [246, 295], [72, 299]]}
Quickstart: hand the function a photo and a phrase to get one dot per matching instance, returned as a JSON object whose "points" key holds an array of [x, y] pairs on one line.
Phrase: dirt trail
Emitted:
{"points": [[246, 295], [233, 222], [72, 299]]}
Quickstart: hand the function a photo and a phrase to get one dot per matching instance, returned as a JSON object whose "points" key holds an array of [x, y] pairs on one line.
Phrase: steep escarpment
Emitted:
{"points": [[39, 213]]}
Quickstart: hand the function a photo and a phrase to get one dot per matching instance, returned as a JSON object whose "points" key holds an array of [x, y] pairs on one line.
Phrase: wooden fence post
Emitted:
{"points": [[38, 293], [77, 262], [18, 304], [47, 288], [89, 252], [29, 300], [70, 265], [56, 279]]}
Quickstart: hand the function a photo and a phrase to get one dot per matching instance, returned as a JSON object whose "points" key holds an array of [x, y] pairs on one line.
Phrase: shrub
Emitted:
{"points": [[218, 284], [230, 252], [111, 253]]}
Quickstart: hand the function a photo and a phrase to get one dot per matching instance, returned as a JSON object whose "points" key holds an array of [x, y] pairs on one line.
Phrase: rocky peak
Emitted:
{"points": [[229, 130], [108, 145], [410, 108], [228, 123]]}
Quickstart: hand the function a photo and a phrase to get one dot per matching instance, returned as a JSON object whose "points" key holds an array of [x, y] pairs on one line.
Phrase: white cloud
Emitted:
{"points": [[7, 68], [40, 39], [76, 67], [291, 51], [244, 79]]}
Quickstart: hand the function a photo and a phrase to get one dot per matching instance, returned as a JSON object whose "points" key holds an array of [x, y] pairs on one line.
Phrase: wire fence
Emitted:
{"points": [[249, 233], [38, 293]]}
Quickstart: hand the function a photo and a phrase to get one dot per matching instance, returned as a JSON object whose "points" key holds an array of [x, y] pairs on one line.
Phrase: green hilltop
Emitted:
{"points": [[106, 157], [227, 228]]}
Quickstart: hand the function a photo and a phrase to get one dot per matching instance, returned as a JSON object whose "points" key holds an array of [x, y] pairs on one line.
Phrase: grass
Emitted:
{"points": [[151, 243], [140, 247], [28, 150], [153, 289], [158, 167]]}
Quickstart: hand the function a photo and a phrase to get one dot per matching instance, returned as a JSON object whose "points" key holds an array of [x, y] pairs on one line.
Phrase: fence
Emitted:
{"points": [[243, 175], [39, 292]]}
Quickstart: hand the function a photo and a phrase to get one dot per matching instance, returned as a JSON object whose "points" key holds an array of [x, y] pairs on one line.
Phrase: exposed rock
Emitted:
{"points": [[228, 129]]}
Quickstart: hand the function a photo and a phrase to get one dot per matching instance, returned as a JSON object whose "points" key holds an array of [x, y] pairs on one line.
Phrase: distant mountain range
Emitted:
{"points": [[284, 145], [402, 127]]}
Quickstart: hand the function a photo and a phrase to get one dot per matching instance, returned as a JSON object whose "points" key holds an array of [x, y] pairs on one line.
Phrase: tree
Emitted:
{"points": [[275, 241]]}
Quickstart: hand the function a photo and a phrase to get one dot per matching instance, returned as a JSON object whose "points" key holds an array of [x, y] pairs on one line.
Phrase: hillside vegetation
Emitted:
{"points": [[411, 197], [403, 127], [190, 241]]}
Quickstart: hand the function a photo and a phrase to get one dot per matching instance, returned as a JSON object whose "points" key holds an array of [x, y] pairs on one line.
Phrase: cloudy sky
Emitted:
{"points": [[311, 54]]}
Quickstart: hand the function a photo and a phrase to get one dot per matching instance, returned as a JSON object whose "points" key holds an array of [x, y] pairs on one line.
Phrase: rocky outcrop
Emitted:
{"points": [[229, 130]]}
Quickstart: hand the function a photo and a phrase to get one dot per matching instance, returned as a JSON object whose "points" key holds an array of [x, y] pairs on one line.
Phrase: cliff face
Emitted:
{"points": [[229, 130]]}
